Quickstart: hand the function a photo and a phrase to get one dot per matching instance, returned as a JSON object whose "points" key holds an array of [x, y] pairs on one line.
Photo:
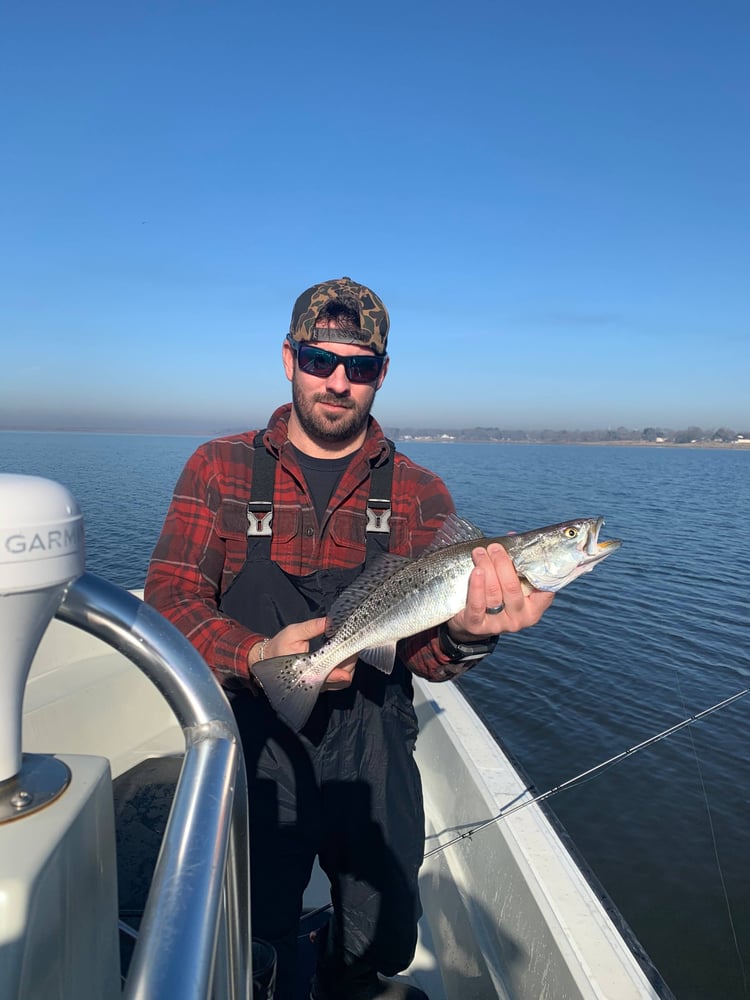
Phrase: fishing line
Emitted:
{"points": [[722, 880], [714, 843], [588, 774], [579, 779]]}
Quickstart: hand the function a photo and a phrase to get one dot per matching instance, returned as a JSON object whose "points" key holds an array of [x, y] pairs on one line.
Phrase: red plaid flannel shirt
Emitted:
{"points": [[203, 543]]}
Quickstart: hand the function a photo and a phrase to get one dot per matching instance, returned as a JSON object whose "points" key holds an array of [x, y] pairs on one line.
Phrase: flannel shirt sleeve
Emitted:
{"points": [[421, 503], [185, 574]]}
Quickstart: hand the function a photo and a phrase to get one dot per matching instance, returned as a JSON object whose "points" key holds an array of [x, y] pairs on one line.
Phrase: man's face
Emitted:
{"points": [[331, 410]]}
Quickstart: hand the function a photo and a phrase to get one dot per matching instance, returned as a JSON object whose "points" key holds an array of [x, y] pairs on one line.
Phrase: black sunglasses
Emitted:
{"points": [[359, 368]]}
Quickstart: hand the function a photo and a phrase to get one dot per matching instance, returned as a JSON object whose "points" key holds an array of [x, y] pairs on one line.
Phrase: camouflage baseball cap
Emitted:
{"points": [[373, 326]]}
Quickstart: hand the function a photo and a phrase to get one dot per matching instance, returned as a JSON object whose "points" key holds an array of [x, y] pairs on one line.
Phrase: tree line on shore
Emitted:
{"points": [[652, 435]]}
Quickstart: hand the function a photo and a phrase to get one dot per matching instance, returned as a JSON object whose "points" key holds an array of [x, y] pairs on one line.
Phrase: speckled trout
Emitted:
{"points": [[397, 597]]}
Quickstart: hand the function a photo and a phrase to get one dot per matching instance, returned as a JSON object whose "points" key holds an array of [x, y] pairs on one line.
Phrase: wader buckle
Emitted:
{"points": [[378, 518], [259, 517]]}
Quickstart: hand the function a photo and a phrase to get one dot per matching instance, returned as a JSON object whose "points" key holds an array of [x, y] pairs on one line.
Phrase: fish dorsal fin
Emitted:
{"points": [[453, 530], [381, 569]]}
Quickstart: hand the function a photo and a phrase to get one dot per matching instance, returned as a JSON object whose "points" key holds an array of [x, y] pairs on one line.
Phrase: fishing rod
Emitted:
{"points": [[570, 783], [588, 774]]}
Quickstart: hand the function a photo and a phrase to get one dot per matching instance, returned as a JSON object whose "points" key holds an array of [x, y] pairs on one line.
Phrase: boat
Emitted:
{"points": [[123, 816]]}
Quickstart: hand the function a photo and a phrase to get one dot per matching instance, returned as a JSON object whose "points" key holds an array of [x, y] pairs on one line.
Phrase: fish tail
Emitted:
{"points": [[289, 686]]}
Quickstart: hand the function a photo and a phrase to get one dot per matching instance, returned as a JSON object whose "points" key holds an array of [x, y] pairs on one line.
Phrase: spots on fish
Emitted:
{"points": [[291, 678]]}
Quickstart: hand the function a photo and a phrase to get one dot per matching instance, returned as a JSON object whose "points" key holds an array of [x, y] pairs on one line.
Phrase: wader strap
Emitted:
{"points": [[381, 488], [260, 512]]}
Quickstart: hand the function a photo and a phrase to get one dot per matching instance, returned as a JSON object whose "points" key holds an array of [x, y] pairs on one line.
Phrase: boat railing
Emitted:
{"points": [[194, 940]]}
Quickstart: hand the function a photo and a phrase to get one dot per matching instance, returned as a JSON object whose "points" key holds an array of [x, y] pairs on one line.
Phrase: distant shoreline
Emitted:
{"points": [[730, 445], [742, 445]]}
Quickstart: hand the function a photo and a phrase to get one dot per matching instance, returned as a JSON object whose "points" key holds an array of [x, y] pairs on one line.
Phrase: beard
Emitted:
{"points": [[331, 427]]}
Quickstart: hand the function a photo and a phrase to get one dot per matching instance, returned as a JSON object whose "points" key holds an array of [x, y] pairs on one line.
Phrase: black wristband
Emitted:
{"points": [[462, 652]]}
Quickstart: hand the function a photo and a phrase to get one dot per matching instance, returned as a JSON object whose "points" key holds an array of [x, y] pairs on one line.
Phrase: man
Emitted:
{"points": [[264, 531]]}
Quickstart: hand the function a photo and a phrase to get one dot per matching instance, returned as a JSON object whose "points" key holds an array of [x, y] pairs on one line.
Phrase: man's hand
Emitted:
{"points": [[494, 582], [296, 639]]}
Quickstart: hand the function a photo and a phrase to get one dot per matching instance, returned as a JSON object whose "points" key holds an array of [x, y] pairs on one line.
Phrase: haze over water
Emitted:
{"points": [[655, 634]]}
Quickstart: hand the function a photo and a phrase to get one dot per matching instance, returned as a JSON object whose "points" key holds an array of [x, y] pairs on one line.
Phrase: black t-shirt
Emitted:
{"points": [[322, 476]]}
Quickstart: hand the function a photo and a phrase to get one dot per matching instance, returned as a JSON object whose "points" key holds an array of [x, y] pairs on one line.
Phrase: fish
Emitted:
{"points": [[398, 596]]}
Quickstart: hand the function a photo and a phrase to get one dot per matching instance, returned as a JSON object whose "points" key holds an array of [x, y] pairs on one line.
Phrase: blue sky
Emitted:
{"points": [[551, 198]]}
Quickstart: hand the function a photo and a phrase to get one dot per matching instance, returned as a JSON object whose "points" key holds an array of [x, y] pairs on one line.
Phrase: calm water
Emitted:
{"points": [[655, 634]]}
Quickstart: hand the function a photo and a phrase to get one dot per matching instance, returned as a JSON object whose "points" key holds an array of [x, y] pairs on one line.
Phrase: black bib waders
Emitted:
{"points": [[345, 789]]}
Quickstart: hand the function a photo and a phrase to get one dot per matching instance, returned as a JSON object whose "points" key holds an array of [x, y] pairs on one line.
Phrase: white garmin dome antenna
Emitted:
{"points": [[41, 552]]}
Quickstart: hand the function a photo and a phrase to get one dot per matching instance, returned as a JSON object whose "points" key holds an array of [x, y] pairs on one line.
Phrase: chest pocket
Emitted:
{"points": [[232, 527], [354, 541], [232, 520], [347, 531]]}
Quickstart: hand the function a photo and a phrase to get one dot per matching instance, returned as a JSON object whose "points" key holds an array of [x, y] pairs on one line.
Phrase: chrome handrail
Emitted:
{"points": [[201, 879]]}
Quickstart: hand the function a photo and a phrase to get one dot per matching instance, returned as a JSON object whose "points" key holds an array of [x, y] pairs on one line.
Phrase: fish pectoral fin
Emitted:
{"points": [[381, 657]]}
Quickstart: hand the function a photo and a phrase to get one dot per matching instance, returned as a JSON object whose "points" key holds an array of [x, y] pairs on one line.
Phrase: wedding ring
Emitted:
{"points": [[494, 611]]}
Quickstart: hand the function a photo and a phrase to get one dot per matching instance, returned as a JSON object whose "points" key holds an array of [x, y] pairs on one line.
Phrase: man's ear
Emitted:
{"points": [[287, 357], [383, 372]]}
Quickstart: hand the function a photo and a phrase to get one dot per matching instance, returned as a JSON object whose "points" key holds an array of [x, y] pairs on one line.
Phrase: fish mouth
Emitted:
{"points": [[596, 550]]}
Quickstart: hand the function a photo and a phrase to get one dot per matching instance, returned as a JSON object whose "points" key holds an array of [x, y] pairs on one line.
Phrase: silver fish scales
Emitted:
{"points": [[399, 597]]}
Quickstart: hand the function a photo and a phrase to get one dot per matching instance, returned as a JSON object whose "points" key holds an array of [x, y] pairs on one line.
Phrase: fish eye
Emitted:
{"points": [[571, 532]]}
